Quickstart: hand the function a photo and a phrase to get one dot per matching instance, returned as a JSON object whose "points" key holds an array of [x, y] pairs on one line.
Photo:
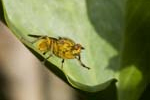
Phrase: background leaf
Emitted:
{"points": [[134, 73]]}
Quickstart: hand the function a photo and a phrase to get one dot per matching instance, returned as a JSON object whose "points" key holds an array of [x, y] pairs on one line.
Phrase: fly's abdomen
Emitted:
{"points": [[44, 44]]}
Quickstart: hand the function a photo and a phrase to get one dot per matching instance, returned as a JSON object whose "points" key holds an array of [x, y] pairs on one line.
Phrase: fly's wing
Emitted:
{"points": [[36, 36], [39, 36]]}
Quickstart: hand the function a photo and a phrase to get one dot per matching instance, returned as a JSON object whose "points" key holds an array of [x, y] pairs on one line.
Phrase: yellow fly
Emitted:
{"points": [[64, 48]]}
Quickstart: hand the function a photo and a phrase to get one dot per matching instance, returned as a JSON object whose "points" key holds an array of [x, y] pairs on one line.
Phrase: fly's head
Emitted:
{"points": [[76, 49]]}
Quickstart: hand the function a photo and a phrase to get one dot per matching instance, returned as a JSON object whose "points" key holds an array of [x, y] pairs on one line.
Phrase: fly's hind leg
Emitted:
{"points": [[81, 63], [62, 62], [50, 55]]}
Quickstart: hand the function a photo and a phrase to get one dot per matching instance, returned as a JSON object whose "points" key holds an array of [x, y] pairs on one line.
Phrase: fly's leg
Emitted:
{"points": [[50, 55], [79, 60], [50, 47], [62, 62]]}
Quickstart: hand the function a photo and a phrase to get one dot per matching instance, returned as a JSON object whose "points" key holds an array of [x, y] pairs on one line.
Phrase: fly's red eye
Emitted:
{"points": [[76, 47]]}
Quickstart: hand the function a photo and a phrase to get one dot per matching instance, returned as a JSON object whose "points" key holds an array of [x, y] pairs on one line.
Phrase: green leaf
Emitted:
{"points": [[115, 34], [63, 18]]}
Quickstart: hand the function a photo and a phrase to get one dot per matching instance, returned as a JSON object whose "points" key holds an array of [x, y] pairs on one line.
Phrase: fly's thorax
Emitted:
{"points": [[63, 48], [66, 48]]}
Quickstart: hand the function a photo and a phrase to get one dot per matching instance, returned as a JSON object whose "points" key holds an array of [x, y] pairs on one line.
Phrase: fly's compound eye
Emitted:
{"points": [[78, 46]]}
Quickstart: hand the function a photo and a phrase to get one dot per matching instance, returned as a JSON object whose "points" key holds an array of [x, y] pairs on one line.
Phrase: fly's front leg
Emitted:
{"points": [[81, 63]]}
